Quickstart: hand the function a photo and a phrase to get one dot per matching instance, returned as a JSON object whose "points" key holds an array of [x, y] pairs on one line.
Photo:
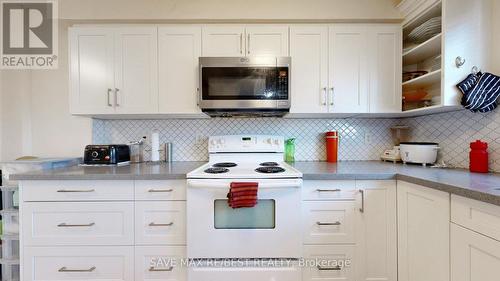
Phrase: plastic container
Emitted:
{"points": [[332, 146], [10, 270], [10, 247], [10, 197], [478, 162], [290, 150], [10, 222], [22, 166]]}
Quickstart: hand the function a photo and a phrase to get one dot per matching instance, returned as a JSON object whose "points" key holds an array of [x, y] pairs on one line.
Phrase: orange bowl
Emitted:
{"points": [[416, 95]]}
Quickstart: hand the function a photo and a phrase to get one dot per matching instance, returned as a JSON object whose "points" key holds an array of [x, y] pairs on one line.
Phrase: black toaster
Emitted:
{"points": [[110, 154]]}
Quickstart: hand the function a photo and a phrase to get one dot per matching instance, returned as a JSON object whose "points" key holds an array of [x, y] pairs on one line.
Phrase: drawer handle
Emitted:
{"points": [[362, 209], [160, 190], [75, 190], [328, 190], [329, 268], [64, 269], [75, 225], [154, 269], [328, 223], [161, 224]]}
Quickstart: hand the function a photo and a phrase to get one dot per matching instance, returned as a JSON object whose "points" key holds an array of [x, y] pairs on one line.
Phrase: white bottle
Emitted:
{"points": [[155, 146]]}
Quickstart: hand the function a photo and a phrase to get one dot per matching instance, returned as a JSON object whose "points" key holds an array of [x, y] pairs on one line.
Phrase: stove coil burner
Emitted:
{"points": [[270, 170], [216, 170], [269, 164], [225, 165]]}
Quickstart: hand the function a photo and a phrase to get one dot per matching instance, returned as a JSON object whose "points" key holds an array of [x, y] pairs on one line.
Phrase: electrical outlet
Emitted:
{"points": [[200, 140], [368, 138]]}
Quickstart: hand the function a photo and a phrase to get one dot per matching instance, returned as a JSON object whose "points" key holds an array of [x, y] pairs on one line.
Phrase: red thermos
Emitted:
{"points": [[478, 157], [332, 146]]}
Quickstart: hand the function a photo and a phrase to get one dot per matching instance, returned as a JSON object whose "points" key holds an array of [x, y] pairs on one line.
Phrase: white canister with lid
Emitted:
{"points": [[419, 152]]}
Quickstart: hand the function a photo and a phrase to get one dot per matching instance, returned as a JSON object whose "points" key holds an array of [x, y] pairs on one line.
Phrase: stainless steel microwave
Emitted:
{"points": [[232, 86]]}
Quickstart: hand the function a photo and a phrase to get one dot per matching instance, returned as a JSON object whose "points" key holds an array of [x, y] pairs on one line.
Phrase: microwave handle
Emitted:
{"points": [[198, 101]]}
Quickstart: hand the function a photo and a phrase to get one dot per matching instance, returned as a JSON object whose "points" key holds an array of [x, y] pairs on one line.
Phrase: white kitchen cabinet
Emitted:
{"points": [[78, 263], [335, 263], [309, 52], [160, 263], [113, 70], [223, 40], [136, 70], [385, 68], [377, 230], [348, 69], [423, 233], [179, 50], [91, 70], [160, 223], [474, 257], [267, 40]]}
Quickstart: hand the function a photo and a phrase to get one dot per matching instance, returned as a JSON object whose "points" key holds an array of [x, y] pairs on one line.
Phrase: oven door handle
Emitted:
{"points": [[262, 185]]}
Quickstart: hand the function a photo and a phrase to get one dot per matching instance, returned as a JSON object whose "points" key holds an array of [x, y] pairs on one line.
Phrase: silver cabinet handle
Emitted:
{"points": [[65, 269], [154, 269], [332, 90], [328, 190], [161, 224], [362, 209], [116, 96], [248, 44], [160, 190], [241, 43], [323, 97], [328, 223], [109, 97], [75, 190], [76, 225], [329, 268]]}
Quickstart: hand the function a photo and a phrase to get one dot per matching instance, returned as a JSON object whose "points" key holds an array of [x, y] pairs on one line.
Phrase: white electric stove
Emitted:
{"points": [[269, 230]]}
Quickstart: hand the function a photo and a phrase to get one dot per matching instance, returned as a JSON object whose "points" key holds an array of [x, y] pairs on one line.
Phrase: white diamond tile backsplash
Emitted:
{"points": [[453, 131], [189, 136]]}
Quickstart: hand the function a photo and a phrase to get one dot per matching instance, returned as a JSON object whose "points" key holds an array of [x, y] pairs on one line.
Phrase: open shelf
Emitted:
{"points": [[434, 11], [425, 50], [423, 81]]}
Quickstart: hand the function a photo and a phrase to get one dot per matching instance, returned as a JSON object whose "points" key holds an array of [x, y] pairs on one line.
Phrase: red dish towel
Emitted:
{"points": [[243, 194]]}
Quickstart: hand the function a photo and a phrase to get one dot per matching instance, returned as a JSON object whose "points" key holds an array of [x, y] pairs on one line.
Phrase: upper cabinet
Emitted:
{"points": [[250, 40], [179, 50], [113, 70], [333, 71]]}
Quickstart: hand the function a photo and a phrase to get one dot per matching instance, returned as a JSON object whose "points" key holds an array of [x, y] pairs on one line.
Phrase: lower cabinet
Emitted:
{"points": [[474, 257], [111, 263], [423, 233], [329, 262], [160, 263]]}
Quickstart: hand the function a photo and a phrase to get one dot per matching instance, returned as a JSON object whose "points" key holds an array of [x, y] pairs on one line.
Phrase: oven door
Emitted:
{"points": [[245, 83], [271, 229]]}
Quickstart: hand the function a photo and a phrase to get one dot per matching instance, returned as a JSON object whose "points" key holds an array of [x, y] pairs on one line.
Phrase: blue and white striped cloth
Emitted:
{"points": [[480, 92]]}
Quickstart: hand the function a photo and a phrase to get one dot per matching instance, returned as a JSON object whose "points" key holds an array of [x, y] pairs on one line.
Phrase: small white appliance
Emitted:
{"points": [[392, 155], [268, 231], [419, 152]]}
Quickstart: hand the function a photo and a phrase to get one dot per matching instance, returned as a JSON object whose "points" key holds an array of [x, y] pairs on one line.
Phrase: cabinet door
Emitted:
{"points": [[348, 69], [267, 40], [474, 257], [385, 68], [377, 231], [179, 50], [160, 263], [223, 40], [136, 70], [423, 233], [309, 52], [91, 70]]}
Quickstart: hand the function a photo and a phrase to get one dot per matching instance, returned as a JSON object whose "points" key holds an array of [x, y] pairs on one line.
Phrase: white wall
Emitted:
{"points": [[227, 9], [496, 38]]}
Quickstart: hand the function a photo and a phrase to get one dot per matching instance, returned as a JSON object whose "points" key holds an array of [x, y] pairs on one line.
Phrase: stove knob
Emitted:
{"points": [[276, 142], [269, 141]]}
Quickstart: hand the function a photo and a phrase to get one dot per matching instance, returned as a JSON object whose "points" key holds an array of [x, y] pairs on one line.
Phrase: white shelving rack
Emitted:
{"points": [[10, 233]]}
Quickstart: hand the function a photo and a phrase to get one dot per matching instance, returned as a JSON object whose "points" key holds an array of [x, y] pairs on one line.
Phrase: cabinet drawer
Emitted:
{"points": [[328, 222], [160, 263], [78, 263], [476, 215], [85, 190], [328, 190], [78, 223], [160, 190], [328, 263], [160, 223]]}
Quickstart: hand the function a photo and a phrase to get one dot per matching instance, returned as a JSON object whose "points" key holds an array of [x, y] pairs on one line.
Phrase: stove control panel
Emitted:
{"points": [[246, 143]]}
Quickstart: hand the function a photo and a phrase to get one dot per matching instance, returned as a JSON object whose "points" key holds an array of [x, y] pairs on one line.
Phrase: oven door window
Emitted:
{"points": [[245, 83], [262, 216]]}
